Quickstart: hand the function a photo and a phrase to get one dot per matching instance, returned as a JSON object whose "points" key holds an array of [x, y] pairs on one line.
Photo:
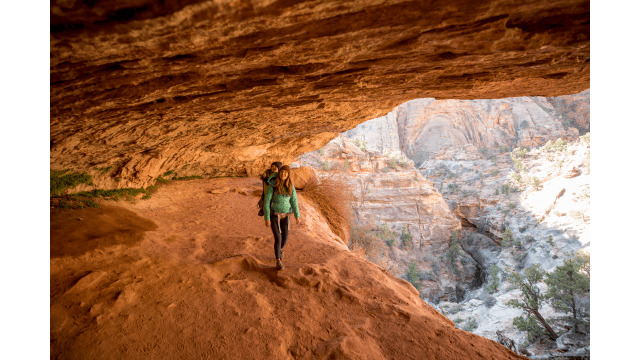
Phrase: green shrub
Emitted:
{"points": [[506, 188], [504, 148], [412, 275], [560, 145], [497, 192], [519, 165], [471, 325], [534, 183], [524, 125], [454, 310], [61, 180], [325, 165], [495, 172], [168, 173], [187, 177], [494, 280], [427, 276], [361, 144], [406, 238], [550, 240], [321, 152], [507, 237], [392, 164], [346, 164]]}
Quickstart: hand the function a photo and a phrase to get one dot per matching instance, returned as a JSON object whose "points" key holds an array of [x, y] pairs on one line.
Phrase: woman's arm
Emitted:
{"points": [[294, 204]]}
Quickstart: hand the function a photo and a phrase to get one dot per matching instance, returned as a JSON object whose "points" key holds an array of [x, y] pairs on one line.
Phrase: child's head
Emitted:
{"points": [[275, 167]]}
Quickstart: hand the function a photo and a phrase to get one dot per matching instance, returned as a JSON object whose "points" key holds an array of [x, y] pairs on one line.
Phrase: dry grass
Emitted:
{"points": [[333, 197], [368, 241]]}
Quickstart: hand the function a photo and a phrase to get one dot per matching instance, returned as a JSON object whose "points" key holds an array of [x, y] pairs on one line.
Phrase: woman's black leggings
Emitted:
{"points": [[280, 233]]}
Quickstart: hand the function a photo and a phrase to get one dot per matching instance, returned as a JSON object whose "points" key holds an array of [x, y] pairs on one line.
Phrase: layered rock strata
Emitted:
{"points": [[226, 87]]}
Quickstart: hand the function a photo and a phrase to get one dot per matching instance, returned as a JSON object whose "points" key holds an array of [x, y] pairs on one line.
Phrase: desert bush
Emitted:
{"points": [[515, 178], [412, 276], [524, 125], [519, 165], [506, 188], [471, 325], [392, 164], [361, 144], [495, 172], [321, 152], [504, 148], [454, 188], [325, 165], [427, 276], [333, 197], [560, 145], [534, 183], [364, 236], [507, 237], [406, 238], [454, 310], [494, 280]]}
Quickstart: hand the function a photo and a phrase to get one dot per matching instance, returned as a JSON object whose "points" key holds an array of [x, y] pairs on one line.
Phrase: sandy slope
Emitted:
{"points": [[189, 274]]}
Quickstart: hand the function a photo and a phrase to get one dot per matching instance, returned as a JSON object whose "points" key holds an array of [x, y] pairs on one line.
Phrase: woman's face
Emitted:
{"points": [[284, 174], [274, 168]]}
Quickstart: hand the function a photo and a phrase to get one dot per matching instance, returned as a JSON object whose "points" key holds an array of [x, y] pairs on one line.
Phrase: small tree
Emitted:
{"points": [[566, 284], [413, 276], [495, 279], [406, 237], [530, 302], [453, 253], [507, 237]]}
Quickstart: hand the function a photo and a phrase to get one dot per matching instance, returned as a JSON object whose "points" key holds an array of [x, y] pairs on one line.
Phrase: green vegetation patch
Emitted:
{"points": [[189, 177], [61, 180]]}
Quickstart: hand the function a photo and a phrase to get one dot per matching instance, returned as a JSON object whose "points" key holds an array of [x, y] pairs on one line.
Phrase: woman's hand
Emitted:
{"points": [[297, 221], [267, 223]]}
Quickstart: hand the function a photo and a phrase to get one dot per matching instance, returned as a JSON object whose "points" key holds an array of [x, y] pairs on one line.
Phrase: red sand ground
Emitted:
{"points": [[190, 274]]}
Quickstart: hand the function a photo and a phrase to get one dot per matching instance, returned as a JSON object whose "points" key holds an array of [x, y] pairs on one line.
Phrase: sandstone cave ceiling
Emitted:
{"points": [[223, 88]]}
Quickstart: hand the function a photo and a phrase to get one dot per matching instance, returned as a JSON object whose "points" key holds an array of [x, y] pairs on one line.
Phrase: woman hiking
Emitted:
{"points": [[285, 201], [268, 178]]}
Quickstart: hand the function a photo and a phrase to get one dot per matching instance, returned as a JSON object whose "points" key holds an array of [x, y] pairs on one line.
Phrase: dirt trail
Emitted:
{"points": [[190, 274]]}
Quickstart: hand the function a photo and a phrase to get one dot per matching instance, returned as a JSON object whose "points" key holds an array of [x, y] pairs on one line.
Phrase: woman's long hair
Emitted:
{"points": [[284, 186]]}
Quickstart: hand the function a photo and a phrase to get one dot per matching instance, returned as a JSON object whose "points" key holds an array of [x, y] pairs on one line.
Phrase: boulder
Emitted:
{"points": [[303, 177]]}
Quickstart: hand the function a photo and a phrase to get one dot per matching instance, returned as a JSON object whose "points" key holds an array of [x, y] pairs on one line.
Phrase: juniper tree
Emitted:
{"points": [[530, 302], [567, 283]]}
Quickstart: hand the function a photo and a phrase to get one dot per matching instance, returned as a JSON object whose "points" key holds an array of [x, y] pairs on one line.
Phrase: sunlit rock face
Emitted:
{"points": [[429, 129], [227, 87]]}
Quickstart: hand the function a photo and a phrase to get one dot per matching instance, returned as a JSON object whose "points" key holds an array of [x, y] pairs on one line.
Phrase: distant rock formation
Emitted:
{"points": [[429, 129]]}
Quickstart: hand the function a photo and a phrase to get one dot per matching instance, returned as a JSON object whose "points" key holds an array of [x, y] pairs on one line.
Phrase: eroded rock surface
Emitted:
{"points": [[226, 87]]}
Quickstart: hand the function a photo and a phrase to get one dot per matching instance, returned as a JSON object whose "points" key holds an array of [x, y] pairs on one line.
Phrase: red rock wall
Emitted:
{"points": [[225, 88]]}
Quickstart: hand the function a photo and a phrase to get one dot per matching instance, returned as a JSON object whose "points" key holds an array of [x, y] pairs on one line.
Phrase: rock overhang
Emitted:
{"points": [[225, 88]]}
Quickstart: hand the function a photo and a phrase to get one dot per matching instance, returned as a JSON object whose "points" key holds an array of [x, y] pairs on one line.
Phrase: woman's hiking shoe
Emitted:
{"points": [[279, 264]]}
